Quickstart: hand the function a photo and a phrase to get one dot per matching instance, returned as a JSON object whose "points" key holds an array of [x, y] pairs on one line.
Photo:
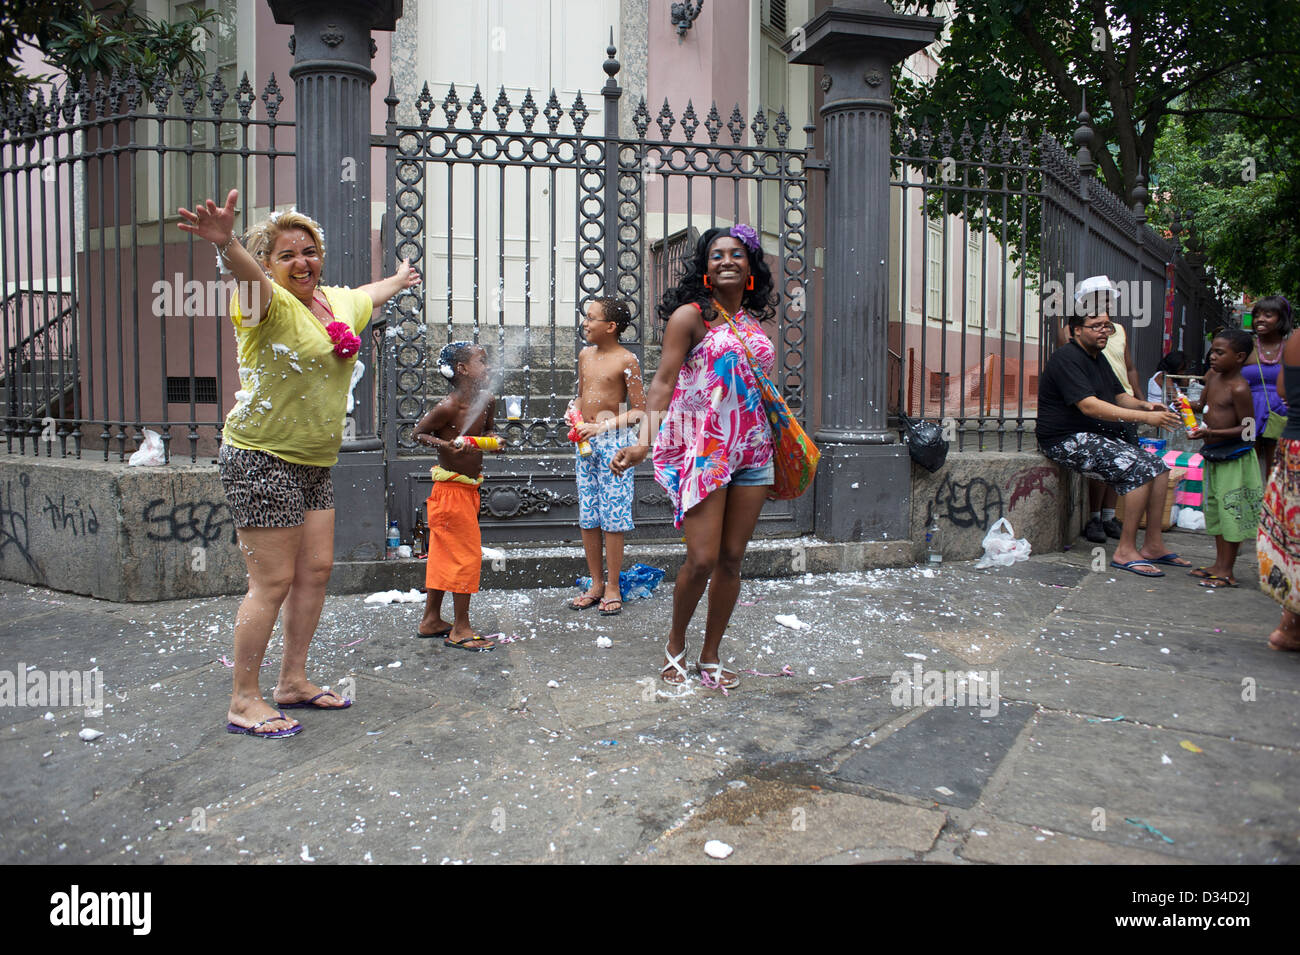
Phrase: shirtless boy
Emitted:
{"points": [[611, 398], [455, 541], [1233, 491]]}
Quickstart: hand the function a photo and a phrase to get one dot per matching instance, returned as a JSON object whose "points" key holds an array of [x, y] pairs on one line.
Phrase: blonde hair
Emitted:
{"points": [[261, 238]]}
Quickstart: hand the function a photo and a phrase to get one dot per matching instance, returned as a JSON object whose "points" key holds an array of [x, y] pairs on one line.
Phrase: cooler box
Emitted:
{"points": [[1189, 490]]}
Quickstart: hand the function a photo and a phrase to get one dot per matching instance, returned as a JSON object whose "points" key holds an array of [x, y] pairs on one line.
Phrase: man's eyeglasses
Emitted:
{"points": [[1100, 327]]}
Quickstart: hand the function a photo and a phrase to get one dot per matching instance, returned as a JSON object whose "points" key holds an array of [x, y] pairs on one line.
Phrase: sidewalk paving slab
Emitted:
{"points": [[550, 749]]}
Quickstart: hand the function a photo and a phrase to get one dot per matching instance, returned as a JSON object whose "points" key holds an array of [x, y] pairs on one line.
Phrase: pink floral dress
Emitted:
{"points": [[715, 423]]}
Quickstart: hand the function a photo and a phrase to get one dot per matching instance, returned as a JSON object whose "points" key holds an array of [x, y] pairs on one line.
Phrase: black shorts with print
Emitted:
{"points": [[266, 491], [1124, 466]]}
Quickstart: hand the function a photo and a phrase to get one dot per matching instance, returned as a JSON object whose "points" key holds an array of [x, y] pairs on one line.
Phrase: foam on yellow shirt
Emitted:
{"points": [[293, 388]]}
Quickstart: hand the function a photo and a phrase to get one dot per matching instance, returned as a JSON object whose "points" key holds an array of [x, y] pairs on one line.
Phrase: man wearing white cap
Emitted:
{"points": [[1085, 420], [1089, 295]]}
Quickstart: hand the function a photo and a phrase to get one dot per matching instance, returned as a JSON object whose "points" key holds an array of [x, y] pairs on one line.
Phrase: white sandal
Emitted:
{"points": [[715, 678], [674, 663]]}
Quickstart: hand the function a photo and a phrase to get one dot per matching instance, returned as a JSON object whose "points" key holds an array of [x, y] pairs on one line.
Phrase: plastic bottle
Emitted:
{"points": [[933, 555], [574, 419], [1185, 409], [394, 540]]}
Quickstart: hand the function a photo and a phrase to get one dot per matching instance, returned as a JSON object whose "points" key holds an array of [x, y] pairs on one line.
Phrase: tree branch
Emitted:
{"points": [[1210, 110], [1206, 77], [1054, 65]]}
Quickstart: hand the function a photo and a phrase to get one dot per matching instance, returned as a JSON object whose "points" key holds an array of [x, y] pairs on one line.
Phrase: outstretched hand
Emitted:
{"points": [[406, 276], [213, 223]]}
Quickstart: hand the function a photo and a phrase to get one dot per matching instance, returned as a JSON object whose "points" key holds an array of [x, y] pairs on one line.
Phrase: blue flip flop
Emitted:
{"points": [[1133, 564], [276, 734], [1171, 559], [313, 705]]}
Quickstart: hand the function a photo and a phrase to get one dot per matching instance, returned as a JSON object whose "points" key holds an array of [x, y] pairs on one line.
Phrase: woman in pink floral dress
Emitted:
{"points": [[713, 453]]}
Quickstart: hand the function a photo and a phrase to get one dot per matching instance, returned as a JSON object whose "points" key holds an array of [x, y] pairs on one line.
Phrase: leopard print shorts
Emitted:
{"points": [[266, 491]]}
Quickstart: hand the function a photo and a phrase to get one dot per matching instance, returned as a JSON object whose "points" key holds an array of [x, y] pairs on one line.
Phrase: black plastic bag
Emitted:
{"points": [[925, 442]]}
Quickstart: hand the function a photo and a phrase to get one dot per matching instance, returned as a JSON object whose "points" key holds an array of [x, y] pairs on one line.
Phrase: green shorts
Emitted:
{"points": [[1233, 495]]}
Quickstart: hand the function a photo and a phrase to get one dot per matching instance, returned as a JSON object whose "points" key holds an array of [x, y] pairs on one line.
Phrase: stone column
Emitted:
{"points": [[332, 49], [863, 486]]}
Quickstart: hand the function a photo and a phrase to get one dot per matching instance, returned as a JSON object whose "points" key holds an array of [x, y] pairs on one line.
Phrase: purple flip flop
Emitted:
{"points": [[252, 730], [311, 704]]}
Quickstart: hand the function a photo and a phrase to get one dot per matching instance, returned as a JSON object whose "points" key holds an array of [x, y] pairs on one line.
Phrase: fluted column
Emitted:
{"points": [[863, 486], [332, 49]]}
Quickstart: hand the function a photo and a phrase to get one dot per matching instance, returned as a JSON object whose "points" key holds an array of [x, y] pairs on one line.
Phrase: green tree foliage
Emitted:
{"points": [[1136, 62], [1244, 196], [82, 40]]}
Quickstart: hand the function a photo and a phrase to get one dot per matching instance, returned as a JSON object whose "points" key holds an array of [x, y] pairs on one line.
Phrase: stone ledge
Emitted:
{"points": [[520, 568], [975, 488], [139, 534]]}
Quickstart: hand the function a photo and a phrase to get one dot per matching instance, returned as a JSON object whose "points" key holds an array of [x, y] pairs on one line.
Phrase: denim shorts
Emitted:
{"points": [[754, 477]]}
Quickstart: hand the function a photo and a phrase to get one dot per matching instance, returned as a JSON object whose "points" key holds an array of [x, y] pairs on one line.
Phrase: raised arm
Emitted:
{"points": [[380, 292], [216, 224]]}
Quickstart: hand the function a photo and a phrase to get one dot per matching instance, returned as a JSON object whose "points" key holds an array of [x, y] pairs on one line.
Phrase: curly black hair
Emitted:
{"points": [[760, 301]]}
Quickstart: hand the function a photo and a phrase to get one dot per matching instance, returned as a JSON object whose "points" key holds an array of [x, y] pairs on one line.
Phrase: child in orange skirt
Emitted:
{"points": [[455, 552]]}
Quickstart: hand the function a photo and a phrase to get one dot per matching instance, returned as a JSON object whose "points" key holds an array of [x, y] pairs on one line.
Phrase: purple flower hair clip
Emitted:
{"points": [[745, 234]]}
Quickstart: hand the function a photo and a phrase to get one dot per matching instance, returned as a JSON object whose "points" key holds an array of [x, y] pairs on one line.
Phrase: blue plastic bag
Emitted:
{"points": [[635, 583]]}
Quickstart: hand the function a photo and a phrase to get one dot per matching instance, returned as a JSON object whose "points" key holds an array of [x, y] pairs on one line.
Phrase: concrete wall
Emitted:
{"points": [[975, 488], [117, 532], [138, 534]]}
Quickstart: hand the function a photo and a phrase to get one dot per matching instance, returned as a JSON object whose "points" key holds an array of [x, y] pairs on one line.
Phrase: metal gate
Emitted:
{"points": [[517, 214], [994, 234]]}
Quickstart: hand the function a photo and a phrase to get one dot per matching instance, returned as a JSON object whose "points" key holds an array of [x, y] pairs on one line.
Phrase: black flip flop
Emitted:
{"points": [[431, 636], [1214, 582], [1132, 566], [313, 705], [461, 645]]}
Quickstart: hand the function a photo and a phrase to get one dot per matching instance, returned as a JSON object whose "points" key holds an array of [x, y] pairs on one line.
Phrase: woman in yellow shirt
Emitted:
{"points": [[297, 345]]}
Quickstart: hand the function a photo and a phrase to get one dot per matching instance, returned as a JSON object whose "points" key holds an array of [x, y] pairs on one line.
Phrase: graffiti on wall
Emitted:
{"points": [[15, 531], [188, 522], [972, 503], [81, 521], [1025, 483]]}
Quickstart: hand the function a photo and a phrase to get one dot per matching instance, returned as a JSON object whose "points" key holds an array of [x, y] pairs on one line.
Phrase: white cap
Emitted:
{"points": [[1095, 283]]}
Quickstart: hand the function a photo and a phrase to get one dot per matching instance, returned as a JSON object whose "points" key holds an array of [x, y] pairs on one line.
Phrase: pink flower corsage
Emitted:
{"points": [[346, 344]]}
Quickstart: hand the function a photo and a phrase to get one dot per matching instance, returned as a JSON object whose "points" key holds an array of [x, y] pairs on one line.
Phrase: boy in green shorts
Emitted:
{"points": [[1233, 492]]}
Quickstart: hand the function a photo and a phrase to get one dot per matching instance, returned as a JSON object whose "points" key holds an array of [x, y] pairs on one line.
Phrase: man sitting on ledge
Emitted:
{"points": [[1084, 424]]}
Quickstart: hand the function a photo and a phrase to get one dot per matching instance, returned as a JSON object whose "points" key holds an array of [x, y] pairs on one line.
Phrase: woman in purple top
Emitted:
{"points": [[1271, 318]]}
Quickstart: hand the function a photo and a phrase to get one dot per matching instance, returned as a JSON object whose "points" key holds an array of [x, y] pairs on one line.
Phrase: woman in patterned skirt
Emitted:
{"points": [[713, 452], [1278, 543]]}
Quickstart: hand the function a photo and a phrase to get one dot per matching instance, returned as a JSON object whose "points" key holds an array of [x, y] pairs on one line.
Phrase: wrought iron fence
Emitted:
{"points": [[114, 319], [518, 214], [504, 279], [994, 234]]}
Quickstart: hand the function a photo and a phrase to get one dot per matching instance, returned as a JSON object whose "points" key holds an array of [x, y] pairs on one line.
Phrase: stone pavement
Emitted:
{"points": [[1118, 698]]}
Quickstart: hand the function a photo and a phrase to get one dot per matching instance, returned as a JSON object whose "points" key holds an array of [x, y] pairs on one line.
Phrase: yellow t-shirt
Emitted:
{"points": [[1114, 353], [294, 389]]}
